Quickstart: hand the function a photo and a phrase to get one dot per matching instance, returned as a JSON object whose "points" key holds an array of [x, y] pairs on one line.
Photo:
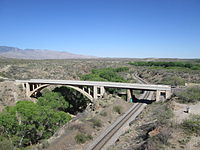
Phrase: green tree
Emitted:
{"points": [[28, 123], [77, 101], [54, 100], [105, 74]]}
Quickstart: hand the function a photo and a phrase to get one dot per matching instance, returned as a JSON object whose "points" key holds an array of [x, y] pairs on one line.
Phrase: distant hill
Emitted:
{"points": [[13, 52]]}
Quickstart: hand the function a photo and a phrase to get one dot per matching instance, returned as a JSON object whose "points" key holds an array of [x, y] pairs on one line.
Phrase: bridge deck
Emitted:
{"points": [[104, 84]]}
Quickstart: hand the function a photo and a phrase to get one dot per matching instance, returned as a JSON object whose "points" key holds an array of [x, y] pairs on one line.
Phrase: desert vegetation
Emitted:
{"points": [[189, 95], [105, 74], [192, 125], [27, 123], [60, 101], [96, 122], [157, 133], [173, 81], [117, 109], [77, 102], [168, 65], [82, 138]]}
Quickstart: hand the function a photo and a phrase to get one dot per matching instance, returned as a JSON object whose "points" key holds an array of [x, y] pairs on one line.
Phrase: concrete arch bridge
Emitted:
{"points": [[93, 89]]}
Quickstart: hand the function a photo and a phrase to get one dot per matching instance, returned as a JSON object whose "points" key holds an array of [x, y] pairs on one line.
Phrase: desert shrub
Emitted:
{"points": [[166, 64], [189, 95], [96, 122], [165, 115], [103, 114], [162, 113], [173, 81], [192, 125], [117, 109], [79, 127], [164, 135], [156, 142], [1, 80], [5, 144], [160, 127], [45, 144], [184, 140], [81, 138]]}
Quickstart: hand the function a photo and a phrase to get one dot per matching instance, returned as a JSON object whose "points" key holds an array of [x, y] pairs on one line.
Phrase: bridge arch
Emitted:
{"points": [[40, 87]]}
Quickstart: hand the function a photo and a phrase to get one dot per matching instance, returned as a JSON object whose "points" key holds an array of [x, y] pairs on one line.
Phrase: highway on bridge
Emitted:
{"points": [[149, 87]]}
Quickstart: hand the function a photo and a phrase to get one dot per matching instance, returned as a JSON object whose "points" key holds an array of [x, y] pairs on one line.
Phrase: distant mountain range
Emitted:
{"points": [[13, 52]]}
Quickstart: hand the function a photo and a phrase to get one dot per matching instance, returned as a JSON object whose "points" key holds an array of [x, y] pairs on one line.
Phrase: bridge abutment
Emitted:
{"points": [[166, 93]]}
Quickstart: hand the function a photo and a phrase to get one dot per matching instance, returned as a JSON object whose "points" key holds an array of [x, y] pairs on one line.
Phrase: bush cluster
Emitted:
{"points": [[189, 95], [96, 122], [118, 109], [162, 113], [54, 100], [173, 81], [193, 66], [82, 138], [192, 125], [28, 123], [105, 74], [76, 101]]}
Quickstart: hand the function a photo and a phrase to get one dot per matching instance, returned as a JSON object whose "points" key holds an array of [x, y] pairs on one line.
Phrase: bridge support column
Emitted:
{"points": [[89, 90], [167, 94], [24, 86], [95, 92], [129, 94], [102, 91], [27, 89], [158, 95]]}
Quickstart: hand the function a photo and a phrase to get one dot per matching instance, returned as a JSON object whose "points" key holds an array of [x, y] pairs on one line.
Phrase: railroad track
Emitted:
{"points": [[104, 138], [140, 80]]}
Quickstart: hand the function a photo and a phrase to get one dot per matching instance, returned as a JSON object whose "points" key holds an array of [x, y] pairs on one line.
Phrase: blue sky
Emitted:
{"points": [[106, 28]]}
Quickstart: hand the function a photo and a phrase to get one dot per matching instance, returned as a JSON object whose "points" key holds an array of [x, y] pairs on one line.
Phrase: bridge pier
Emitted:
{"points": [[89, 91], [158, 95], [95, 92], [168, 94], [98, 91], [27, 89], [129, 94], [102, 91]]}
